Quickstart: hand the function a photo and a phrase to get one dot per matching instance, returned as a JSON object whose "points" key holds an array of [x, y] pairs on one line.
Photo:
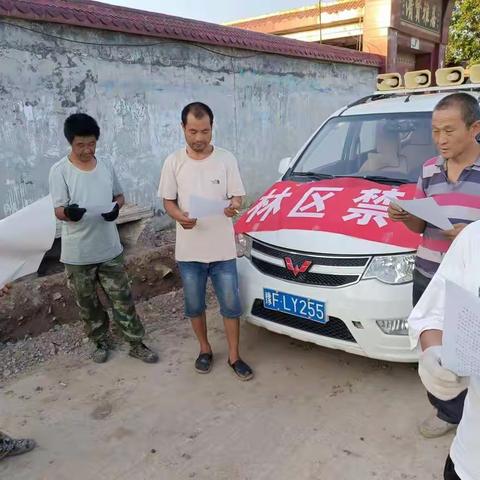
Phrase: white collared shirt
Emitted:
{"points": [[460, 265]]}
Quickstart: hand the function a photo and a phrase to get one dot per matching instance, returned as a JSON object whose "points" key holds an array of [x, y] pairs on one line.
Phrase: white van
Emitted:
{"points": [[319, 260]]}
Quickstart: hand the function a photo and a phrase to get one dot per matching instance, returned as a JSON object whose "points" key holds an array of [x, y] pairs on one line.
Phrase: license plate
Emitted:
{"points": [[301, 307]]}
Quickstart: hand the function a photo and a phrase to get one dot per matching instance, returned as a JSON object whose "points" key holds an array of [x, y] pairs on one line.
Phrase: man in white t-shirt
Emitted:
{"points": [[460, 265], [205, 247]]}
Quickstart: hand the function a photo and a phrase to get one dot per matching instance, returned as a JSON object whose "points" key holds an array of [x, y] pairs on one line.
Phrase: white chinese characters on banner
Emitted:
{"points": [[269, 204], [372, 205], [312, 204]]}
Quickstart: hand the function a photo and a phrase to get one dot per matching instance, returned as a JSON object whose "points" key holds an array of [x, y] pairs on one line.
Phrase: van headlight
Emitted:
{"points": [[392, 269], [244, 245]]}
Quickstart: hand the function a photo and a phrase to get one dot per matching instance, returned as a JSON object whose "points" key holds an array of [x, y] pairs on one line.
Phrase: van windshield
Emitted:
{"points": [[389, 148]]}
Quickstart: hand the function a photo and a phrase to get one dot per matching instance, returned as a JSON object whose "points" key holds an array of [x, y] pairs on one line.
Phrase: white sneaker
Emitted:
{"points": [[434, 427]]}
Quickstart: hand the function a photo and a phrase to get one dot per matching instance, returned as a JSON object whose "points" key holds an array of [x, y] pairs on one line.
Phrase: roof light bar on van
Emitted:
{"points": [[401, 92], [450, 76], [389, 81], [418, 79], [474, 72]]}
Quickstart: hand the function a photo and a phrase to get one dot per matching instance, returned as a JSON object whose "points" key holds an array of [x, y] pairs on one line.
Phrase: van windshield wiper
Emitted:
{"points": [[315, 175], [378, 178], [373, 178]]}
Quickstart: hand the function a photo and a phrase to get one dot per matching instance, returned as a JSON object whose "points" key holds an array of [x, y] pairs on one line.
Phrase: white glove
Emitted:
{"points": [[439, 381]]}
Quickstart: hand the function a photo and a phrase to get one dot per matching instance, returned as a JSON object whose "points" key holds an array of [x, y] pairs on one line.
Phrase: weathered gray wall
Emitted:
{"points": [[266, 106]]}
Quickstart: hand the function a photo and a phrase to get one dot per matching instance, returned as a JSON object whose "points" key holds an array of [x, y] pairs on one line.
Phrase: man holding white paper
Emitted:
{"points": [[205, 178], [80, 185], [461, 266], [453, 180]]}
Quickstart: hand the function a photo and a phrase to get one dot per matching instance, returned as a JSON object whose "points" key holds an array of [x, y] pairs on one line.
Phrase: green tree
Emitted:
{"points": [[464, 36]]}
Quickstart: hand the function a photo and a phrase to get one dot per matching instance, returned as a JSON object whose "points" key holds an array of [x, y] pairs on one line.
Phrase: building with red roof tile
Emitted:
{"points": [[102, 16], [410, 34], [135, 70]]}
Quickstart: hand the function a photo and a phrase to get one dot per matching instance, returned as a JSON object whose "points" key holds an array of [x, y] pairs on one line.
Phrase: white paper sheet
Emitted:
{"points": [[201, 207], [461, 331], [25, 237], [94, 212], [427, 209]]}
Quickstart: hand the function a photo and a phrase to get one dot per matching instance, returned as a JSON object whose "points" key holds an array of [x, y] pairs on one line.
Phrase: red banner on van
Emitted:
{"points": [[348, 206]]}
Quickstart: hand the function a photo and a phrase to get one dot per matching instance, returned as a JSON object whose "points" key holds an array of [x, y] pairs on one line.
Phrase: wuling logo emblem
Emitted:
{"points": [[295, 269]]}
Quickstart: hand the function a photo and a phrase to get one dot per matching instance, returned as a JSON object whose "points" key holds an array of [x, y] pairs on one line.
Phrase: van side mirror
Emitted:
{"points": [[283, 165]]}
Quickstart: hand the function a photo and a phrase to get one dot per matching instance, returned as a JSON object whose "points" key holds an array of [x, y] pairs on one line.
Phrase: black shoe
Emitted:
{"points": [[204, 362], [143, 353], [10, 446], [100, 355], [241, 369]]}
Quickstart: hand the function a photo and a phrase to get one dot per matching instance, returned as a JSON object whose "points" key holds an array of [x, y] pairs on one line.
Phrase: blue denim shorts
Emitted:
{"points": [[225, 282]]}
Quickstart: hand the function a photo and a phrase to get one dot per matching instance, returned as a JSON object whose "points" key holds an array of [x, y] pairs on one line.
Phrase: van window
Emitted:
{"points": [[332, 140], [393, 146], [367, 136]]}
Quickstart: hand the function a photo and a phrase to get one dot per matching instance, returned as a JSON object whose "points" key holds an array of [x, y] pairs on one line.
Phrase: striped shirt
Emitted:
{"points": [[460, 202]]}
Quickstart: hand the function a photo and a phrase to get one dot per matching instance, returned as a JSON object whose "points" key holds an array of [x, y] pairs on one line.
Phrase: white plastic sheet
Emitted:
{"points": [[25, 237]]}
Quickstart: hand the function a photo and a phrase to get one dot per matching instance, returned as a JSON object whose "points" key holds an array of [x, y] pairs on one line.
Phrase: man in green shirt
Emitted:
{"points": [[87, 198]]}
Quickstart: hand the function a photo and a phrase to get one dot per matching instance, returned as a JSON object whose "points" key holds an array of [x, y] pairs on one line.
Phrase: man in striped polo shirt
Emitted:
{"points": [[453, 179]]}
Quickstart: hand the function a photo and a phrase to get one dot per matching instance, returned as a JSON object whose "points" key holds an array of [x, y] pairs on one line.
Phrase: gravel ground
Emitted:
{"points": [[17, 357], [162, 312]]}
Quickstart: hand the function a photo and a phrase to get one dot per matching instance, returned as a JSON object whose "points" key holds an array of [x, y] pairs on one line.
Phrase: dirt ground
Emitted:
{"points": [[310, 413], [39, 304]]}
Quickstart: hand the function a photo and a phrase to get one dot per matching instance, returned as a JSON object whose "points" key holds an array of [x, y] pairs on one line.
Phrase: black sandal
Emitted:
{"points": [[10, 446], [241, 369], [204, 362]]}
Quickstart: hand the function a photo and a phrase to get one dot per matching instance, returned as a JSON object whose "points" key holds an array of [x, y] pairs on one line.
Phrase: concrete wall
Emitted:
{"points": [[266, 106]]}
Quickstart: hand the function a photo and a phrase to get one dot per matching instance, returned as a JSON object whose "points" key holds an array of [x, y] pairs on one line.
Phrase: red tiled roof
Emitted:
{"points": [[90, 14], [333, 8], [300, 14], [311, 12], [341, 6]]}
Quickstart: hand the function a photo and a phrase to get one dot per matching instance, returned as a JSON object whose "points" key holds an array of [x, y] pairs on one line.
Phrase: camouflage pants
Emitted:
{"points": [[112, 277]]}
